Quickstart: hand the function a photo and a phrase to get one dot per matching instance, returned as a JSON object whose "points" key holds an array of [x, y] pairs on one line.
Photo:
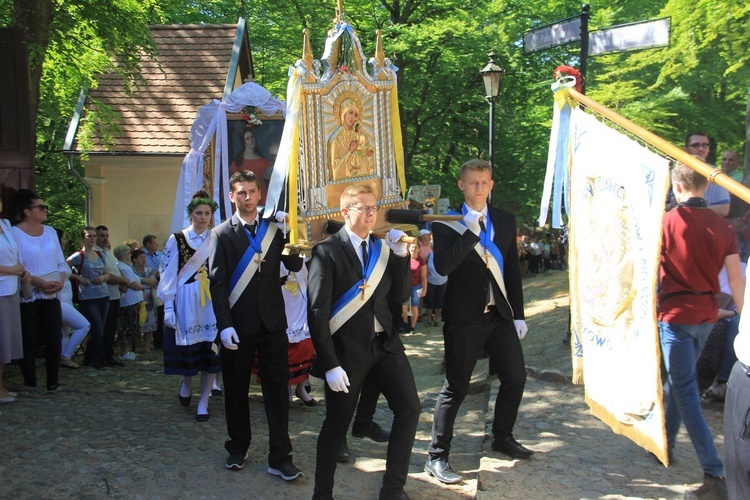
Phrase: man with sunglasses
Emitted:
{"points": [[699, 145]]}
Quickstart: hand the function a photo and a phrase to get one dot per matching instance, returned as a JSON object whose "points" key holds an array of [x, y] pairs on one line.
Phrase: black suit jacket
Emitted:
{"points": [[262, 301], [468, 275], [334, 269]]}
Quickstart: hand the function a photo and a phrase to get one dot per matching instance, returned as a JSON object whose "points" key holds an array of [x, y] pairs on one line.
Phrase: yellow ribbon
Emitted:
{"points": [[294, 105], [398, 144], [205, 288], [561, 97], [292, 286]]}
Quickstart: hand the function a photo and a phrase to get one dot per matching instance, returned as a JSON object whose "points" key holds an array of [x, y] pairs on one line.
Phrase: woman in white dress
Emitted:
{"points": [[11, 274], [189, 323], [301, 351]]}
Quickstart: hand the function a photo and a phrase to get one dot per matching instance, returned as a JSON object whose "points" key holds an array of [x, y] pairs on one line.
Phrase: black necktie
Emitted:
{"points": [[482, 226], [251, 228], [364, 255]]}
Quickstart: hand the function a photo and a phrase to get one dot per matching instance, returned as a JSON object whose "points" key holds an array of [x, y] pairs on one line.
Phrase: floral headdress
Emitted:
{"points": [[563, 71], [202, 201]]}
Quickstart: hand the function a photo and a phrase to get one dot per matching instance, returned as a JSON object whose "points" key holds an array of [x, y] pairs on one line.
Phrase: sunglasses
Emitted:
{"points": [[40, 207], [697, 145]]}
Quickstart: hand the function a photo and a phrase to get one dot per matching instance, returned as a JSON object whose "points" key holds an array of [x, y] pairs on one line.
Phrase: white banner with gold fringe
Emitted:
{"points": [[617, 194]]}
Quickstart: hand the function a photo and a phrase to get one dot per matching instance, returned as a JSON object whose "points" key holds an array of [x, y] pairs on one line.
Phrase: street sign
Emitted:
{"points": [[631, 36], [552, 35]]}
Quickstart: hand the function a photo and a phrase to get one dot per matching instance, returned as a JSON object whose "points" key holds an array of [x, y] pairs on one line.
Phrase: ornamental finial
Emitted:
{"points": [[340, 11]]}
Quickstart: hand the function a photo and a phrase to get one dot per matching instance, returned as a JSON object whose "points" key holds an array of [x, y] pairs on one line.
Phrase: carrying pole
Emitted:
{"points": [[714, 175]]}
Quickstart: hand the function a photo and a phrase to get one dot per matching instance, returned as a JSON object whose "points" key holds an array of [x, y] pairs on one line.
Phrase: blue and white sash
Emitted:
{"points": [[249, 262], [358, 295], [195, 262], [486, 249]]}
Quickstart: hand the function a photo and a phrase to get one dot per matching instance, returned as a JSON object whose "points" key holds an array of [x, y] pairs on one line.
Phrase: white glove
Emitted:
{"points": [[229, 338], [281, 221], [169, 318], [392, 238], [521, 328], [337, 379], [471, 219]]}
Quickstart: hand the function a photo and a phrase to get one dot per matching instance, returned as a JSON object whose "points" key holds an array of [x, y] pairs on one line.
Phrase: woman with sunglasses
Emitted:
{"points": [[41, 316]]}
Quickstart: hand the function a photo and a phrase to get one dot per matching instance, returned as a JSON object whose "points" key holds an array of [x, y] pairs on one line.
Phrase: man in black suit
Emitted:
{"points": [[244, 274], [351, 276], [483, 313]]}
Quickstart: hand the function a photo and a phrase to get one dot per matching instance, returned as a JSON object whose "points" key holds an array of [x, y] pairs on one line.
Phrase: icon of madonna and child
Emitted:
{"points": [[350, 153]]}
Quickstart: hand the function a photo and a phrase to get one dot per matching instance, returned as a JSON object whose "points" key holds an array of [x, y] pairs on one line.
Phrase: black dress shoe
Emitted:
{"points": [[370, 430], [217, 392], [184, 401], [53, 387], [309, 402], [201, 417], [440, 469], [344, 454], [401, 495], [512, 448]]}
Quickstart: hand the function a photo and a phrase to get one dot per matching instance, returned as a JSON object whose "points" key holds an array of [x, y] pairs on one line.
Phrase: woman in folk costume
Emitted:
{"points": [[190, 324], [301, 351]]}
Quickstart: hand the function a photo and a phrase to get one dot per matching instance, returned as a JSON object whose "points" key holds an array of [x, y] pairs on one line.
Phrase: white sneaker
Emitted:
{"points": [[128, 356]]}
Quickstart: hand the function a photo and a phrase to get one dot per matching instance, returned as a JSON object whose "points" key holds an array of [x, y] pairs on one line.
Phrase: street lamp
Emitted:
{"points": [[492, 74]]}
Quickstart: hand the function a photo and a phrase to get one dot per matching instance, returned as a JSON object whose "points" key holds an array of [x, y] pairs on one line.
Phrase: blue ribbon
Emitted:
{"points": [[484, 238], [351, 294], [255, 247]]}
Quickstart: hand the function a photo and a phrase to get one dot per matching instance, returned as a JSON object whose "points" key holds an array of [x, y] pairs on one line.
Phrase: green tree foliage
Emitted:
{"points": [[698, 83], [439, 46], [71, 43]]}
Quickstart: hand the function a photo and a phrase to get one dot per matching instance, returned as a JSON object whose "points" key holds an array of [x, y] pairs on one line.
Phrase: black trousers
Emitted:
{"points": [[107, 352], [368, 398], [41, 324], [368, 403], [464, 344], [392, 375], [159, 332], [273, 370]]}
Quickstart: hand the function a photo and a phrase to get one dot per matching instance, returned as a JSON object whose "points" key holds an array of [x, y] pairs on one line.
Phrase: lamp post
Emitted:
{"points": [[492, 75]]}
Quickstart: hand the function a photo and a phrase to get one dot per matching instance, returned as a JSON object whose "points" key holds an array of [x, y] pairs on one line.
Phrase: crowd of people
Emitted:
{"points": [[541, 254], [233, 300], [701, 296]]}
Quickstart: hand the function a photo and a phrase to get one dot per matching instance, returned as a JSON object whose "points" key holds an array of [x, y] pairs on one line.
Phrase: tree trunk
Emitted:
{"points": [[34, 18]]}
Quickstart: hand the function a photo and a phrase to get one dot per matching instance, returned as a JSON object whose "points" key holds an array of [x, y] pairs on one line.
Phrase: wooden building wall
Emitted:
{"points": [[16, 128]]}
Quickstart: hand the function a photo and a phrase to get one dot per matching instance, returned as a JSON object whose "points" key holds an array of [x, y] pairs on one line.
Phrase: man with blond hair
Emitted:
{"points": [[352, 274], [483, 313]]}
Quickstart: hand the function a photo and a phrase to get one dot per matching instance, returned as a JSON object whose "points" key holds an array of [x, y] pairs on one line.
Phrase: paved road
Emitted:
{"points": [[121, 433]]}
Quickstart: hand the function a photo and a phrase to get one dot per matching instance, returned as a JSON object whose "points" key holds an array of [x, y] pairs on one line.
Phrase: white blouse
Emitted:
{"points": [[40, 255], [8, 257]]}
